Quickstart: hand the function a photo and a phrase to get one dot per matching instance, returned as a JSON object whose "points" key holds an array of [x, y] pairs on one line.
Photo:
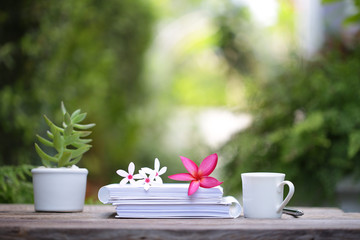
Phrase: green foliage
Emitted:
{"points": [[68, 140], [86, 53], [15, 184], [306, 124]]}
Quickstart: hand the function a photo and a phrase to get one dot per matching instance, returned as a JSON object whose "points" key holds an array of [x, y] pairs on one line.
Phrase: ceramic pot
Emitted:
{"points": [[59, 189]]}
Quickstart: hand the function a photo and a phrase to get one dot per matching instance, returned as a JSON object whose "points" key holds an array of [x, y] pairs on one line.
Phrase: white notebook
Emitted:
{"points": [[178, 191], [169, 200], [228, 208]]}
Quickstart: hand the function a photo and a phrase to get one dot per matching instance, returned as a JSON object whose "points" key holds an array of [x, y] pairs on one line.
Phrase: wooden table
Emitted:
{"points": [[98, 222]]}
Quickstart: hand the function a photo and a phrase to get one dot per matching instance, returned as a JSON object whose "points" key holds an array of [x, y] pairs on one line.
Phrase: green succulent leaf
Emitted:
{"points": [[58, 140], [52, 125], [79, 118], [84, 133], [71, 138], [45, 141], [80, 145], [84, 141], [45, 163], [75, 161], [79, 151], [84, 126], [75, 113], [67, 119], [68, 130], [43, 155], [61, 138], [65, 158], [50, 135], [63, 109]]}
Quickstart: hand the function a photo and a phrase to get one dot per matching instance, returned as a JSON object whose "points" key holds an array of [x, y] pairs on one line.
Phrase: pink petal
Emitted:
{"points": [[194, 186], [190, 166], [182, 177], [209, 182], [208, 165]]}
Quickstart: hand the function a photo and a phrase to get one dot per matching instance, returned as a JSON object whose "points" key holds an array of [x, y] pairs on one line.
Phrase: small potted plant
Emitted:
{"points": [[59, 185]]}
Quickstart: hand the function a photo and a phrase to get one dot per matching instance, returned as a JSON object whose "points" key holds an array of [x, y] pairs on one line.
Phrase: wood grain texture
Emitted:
{"points": [[98, 222]]}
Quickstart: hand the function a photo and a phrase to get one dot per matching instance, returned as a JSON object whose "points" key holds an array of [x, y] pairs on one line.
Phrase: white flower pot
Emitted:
{"points": [[59, 189]]}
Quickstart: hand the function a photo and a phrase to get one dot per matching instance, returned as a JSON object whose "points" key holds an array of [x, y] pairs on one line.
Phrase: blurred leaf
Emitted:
{"points": [[354, 144], [352, 19], [15, 184]]}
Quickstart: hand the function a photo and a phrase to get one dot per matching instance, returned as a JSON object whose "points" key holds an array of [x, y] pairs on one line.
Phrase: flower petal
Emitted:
{"points": [[156, 165], [190, 166], [155, 183], [146, 186], [132, 181], [158, 180], [122, 173], [147, 170], [138, 176], [131, 168], [209, 182], [140, 182], [162, 170], [193, 187], [123, 181], [208, 165], [152, 175], [182, 177], [142, 174]]}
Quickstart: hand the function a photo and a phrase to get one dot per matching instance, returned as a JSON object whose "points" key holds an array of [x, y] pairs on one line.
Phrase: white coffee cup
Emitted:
{"points": [[263, 194]]}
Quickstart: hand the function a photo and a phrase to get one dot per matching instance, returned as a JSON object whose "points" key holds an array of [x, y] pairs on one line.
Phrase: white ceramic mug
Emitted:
{"points": [[263, 194]]}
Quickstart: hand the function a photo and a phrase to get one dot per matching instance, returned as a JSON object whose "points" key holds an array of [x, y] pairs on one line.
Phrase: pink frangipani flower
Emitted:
{"points": [[199, 176]]}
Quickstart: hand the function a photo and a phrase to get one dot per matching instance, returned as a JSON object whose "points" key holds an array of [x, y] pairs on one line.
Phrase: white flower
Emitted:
{"points": [[128, 176], [147, 181], [157, 171]]}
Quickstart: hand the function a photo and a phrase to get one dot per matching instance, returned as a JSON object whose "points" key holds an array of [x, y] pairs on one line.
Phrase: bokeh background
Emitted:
{"points": [[269, 85]]}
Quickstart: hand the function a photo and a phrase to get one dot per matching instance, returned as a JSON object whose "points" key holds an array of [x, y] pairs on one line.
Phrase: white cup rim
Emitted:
{"points": [[262, 174]]}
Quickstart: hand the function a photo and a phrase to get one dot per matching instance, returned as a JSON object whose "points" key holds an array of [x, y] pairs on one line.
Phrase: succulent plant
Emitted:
{"points": [[69, 140]]}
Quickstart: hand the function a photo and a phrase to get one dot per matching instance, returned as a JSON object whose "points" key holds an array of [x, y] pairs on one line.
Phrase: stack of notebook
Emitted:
{"points": [[169, 200]]}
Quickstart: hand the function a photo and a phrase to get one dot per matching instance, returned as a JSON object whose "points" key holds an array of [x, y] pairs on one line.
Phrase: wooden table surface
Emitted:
{"points": [[99, 222]]}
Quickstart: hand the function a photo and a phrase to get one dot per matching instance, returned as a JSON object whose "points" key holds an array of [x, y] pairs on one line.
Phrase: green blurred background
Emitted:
{"points": [[268, 85]]}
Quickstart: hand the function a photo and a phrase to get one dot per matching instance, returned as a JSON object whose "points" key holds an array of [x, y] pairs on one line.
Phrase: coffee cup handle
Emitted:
{"points": [[288, 197]]}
